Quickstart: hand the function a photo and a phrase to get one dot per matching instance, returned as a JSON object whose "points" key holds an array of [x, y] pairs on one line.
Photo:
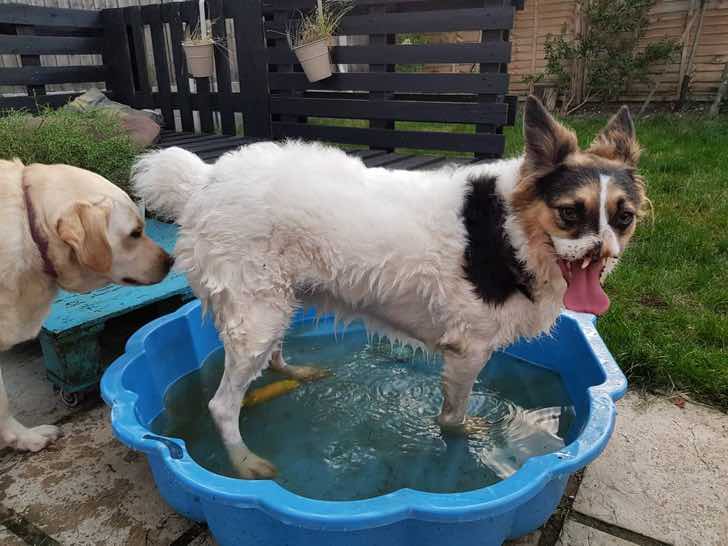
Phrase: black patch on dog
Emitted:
{"points": [[490, 260], [564, 180]]}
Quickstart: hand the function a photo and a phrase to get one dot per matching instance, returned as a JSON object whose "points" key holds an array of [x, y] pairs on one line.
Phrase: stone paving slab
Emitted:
{"points": [[575, 534], [32, 399], [664, 473], [88, 489]]}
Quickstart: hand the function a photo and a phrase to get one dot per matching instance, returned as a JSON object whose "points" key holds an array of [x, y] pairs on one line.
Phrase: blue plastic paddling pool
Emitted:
{"points": [[250, 513]]}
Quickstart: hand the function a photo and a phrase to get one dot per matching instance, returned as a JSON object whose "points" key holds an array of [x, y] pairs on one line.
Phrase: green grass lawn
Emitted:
{"points": [[668, 324]]}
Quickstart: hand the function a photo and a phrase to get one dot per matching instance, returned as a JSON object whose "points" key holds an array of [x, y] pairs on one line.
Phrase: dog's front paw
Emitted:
{"points": [[33, 439], [305, 374], [249, 466]]}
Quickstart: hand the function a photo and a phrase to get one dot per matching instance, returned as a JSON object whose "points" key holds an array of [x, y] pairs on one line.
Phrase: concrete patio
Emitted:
{"points": [[662, 480]]}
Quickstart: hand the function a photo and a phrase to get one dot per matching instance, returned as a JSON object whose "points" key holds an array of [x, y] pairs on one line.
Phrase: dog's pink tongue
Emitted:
{"points": [[584, 292]]}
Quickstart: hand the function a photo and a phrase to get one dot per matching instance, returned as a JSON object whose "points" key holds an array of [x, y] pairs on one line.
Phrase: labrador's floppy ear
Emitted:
{"points": [[84, 228]]}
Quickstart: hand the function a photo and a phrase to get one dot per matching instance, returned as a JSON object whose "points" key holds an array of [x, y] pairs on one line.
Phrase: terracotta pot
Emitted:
{"points": [[199, 57], [315, 59]]}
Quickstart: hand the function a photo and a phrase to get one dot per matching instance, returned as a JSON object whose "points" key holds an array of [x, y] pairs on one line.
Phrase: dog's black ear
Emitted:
{"points": [[547, 142], [618, 139]]}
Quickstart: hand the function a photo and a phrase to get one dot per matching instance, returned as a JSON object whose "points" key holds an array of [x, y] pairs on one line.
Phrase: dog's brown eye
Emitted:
{"points": [[136, 234], [568, 214], [625, 218]]}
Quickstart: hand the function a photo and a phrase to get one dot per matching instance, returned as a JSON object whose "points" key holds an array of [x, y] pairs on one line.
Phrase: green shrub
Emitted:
{"points": [[94, 140]]}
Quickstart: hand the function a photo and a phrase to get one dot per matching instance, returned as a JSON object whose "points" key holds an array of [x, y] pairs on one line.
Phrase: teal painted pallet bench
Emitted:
{"points": [[70, 338]]}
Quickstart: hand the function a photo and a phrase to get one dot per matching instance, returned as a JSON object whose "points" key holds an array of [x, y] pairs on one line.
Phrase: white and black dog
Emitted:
{"points": [[462, 261]]}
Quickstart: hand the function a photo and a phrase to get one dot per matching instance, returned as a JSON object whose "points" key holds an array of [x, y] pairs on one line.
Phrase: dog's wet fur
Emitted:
{"points": [[462, 261]]}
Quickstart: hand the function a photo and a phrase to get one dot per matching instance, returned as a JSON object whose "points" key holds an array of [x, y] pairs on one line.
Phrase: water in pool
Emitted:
{"points": [[370, 428]]}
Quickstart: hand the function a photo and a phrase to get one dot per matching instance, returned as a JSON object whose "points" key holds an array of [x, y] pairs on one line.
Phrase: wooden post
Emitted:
{"points": [[579, 80], [381, 39], [686, 75], [252, 66], [222, 67], [116, 56], [30, 60]]}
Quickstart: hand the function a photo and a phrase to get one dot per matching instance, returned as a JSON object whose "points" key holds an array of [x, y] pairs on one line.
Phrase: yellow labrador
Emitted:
{"points": [[62, 227]]}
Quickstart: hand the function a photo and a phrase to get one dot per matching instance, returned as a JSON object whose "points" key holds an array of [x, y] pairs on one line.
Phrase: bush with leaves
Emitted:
{"points": [[94, 140], [608, 49]]}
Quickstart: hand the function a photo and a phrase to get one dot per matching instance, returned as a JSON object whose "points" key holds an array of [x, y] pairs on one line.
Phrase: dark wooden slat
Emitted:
{"points": [[367, 153], [381, 40], [49, 45], [384, 160], [206, 146], [116, 55], [292, 5], [170, 137], [407, 54], [211, 155], [30, 60], [207, 125], [172, 15], [436, 83], [189, 138], [20, 14], [252, 66], [384, 138], [512, 102], [222, 67], [488, 37], [190, 13], [445, 112], [423, 21], [438, 163], [33, 75], [153, 15], [414, 162], [133, 17], [31, 103]]}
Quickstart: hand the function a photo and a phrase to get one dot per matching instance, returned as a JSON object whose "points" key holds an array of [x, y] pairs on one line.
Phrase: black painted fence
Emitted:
{"points": [[143, 66]]}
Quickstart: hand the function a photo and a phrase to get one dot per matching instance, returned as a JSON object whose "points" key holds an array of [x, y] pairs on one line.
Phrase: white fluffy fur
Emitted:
{"points": [[176, 175], [273, 226]]}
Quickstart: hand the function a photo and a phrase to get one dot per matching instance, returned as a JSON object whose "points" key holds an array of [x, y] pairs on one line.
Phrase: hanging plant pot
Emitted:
{"points": [[315, 59], [199, 55]]}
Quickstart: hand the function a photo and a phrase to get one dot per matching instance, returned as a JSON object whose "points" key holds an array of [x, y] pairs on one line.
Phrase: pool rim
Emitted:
{"points": [[286, 506]]}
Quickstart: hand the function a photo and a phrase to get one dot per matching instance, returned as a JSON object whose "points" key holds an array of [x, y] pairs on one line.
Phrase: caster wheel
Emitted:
{"points": [[70, 399]]}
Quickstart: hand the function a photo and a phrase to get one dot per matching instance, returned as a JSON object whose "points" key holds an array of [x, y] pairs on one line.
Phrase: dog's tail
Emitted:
{"points": [[165, 180]]}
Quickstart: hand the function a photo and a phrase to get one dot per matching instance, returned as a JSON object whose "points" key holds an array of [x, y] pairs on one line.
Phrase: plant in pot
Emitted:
{"points": [[199, 47], [310, 37]]}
